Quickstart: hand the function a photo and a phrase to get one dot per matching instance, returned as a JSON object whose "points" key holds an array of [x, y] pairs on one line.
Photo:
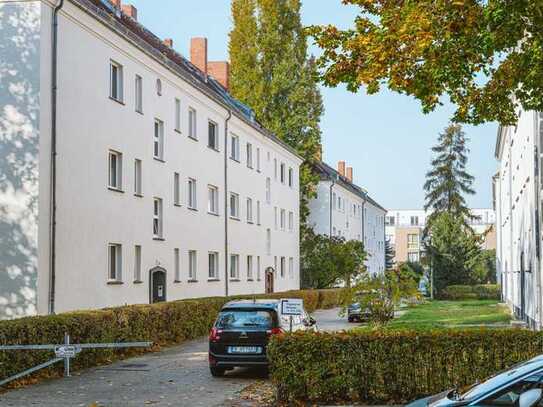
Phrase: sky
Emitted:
{"points": [[385, 138]]}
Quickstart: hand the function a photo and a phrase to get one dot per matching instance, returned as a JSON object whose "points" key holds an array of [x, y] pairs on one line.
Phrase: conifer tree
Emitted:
{"points": [[389, 255]]}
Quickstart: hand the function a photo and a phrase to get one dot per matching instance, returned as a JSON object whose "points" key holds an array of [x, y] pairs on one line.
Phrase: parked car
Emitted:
{"points": [[357, 312], [241, 332], [519, 386]]}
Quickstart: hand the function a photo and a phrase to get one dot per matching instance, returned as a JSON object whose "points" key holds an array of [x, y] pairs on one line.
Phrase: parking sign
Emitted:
{"points": [[292, 306]]}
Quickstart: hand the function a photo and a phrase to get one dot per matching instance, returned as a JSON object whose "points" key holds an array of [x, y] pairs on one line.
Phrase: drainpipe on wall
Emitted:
{"points": [[226, 202], [363, 220], [331, 203], [53, 169], [537, 186]]}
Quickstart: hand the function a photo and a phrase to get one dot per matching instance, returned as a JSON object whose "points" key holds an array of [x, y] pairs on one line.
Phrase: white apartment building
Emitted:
{"points": [[140, 179], [343, 209], [517, 200]]}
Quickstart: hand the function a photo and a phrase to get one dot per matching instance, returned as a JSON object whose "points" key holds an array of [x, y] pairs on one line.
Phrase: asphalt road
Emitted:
{"points": [[177, 376]]}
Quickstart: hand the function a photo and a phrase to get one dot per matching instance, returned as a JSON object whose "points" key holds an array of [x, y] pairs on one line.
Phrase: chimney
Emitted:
{"points": [[350, 174], [198, 53], [168, 42], [341, 168], [130, 11], [116, 3], [220, 70]]}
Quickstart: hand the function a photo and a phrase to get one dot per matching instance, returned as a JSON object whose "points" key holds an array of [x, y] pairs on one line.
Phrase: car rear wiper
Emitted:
{"points": [[250, 324]]}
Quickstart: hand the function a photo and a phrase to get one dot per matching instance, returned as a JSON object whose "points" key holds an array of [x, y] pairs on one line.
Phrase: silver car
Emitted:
{"points": [[520, 386]]}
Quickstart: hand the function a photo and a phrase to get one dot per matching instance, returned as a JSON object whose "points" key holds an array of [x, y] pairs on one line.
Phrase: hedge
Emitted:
{"points": [[391, 367], [164, 324], [471, 292]]}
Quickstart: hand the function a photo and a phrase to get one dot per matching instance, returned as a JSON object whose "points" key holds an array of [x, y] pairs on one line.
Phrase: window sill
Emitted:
{"points": [[177, 204], [235, 159], [192, 281], [214, 149], [116, 100], [250, 279], [160, 239], [235, 280], [138, 111], [177, 131], [234, 218], [192, 209], [193, 138], [115, 189], [212, 213], [213, 280], [177, 281], [138, 282], [250, 167], [139, 195], [161, 160], [114, 282]]}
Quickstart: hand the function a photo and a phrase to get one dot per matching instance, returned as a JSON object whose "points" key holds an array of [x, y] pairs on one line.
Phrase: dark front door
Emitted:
{"points": [[269, 280], [158, 285]]}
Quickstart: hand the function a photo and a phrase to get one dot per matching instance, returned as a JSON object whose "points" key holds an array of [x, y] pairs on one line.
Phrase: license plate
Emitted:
{"points": [[244, 349]]}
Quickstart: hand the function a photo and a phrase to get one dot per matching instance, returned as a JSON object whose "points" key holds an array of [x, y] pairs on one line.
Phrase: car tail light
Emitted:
{"points": [[214, 335], [212, 360], [275, 331]]}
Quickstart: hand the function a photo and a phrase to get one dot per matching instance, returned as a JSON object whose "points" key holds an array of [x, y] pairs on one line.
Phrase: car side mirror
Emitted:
{"points": [[312, 321], [530, 398]]}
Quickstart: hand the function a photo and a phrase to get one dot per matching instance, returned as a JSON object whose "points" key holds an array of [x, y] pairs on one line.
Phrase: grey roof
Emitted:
{"points": [[329, 173], [152, 45]]}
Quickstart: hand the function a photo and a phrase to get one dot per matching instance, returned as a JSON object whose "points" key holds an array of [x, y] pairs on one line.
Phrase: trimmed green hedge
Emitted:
{"points": [[164, 324], [391, 367], [471, 292]]}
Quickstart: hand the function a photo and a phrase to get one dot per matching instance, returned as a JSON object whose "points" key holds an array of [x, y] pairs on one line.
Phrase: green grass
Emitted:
{"points": [[452, 314]]}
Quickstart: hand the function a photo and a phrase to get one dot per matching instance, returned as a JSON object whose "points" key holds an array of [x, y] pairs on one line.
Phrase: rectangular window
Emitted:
{"points": [[212, 136], [139, 94], [268, 190], [291, 221], [283, 219], [291, 268], [282, 174], [282, 267], [234, 266], [192, 124], [268, 242], [138, 189], [258, 213], [414, 220], [275, 217], [412, 241], [257, 268], [234, 147], [191, 202], [177, 265], [213, 266], [258, 159], [213, 200], [158, 140], [115, 262], [137, 263], [115, 175], [275, 169], [250, 268], [334, 199], [290, 177], [176, 189], [413, 257], [249, 155], [157, 218], [249, 210], [116, 81], [234, 205], [178, 115], [192, 265]]}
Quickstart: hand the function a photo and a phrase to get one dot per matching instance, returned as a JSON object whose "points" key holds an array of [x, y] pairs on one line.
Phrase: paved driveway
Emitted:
{"points": [[178, 376]]}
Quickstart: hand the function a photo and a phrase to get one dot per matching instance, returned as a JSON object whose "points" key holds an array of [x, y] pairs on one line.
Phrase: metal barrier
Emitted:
{"points": [[64, 352]]}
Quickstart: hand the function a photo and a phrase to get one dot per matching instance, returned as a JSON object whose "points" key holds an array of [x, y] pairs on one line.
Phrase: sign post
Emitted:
{"points": [[292, 307]]}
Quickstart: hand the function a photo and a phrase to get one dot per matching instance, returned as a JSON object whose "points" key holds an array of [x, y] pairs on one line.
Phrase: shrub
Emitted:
{"points": [[391, 366], [164, 324], [471, 292]]}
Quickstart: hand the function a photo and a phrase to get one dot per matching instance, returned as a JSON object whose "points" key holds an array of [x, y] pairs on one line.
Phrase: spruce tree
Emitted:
{"points": [[273, 74], [389, 255]]}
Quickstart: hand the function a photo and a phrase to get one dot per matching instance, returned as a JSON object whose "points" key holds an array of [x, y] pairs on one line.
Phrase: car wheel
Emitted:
{"points": [[350, 319], [217, 371]]}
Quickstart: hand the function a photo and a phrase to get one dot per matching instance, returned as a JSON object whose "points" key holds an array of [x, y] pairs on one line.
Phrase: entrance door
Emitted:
{"points": [[157, 285], [269, 280]]}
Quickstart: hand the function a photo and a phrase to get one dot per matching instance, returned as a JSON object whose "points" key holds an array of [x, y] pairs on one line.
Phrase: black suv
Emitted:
{"points": [[241, 332]]}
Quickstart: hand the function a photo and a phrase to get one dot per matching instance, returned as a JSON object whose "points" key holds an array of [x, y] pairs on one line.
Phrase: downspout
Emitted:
{"points": [[53, 169], [331, 203], [226, 202]]}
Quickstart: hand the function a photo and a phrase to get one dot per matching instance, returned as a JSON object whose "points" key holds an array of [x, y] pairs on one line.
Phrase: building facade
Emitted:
{"points": [[343, 209], [163, 186], [404, 231], [517, 199]]}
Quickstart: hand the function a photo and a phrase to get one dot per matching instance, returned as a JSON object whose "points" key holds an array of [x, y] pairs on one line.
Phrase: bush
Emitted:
{"points": [[164, 324], [391, 367], [471, 292]]}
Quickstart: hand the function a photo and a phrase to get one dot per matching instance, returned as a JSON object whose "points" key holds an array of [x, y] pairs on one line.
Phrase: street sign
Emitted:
{"points": [[292, 306], [66, 351]]}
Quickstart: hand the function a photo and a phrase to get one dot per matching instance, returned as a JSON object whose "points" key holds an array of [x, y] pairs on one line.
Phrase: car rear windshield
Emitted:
{"points": [[243, 319]]}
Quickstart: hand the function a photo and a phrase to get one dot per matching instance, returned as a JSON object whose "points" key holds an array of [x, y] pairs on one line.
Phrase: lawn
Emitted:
{"points": [[449, 314]]}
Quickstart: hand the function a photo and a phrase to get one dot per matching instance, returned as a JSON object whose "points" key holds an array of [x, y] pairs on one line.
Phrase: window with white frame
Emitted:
{"points": [[137, 263], [275, 265], [249, 150], [258, 159], [178, 115], [115, 175], [291, 268], [290, 177], [158, 140], [268, 190], [177, 265], [268, 241], [258, 213], [116, 81], [234, 205], [283, 219], [192, 124], [282, 173], [249, 210], [158, 86], [138, 84], [334, 199], [291, 221], [250, 268], [213, 200], [257, 268], [157, 218], [191, 194], [275, 169], [115, 262], [234, 266], [176, 189], [234, 147], [275, 217], [138, 189], [213, 265], [212, 135], [282, 267], [192, 265]]}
